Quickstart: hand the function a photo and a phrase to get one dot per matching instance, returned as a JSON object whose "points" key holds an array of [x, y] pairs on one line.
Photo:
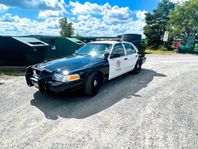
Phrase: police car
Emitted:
{"points": [[89, 67]]}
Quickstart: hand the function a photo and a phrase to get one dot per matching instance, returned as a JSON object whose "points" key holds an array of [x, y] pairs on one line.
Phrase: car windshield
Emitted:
{"points": [[94, 49]]}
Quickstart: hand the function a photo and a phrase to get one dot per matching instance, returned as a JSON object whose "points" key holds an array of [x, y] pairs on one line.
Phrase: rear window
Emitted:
{"points": [[129, 48]]}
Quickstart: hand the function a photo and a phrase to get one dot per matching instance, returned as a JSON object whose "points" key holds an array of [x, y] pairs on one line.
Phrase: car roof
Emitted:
{"points": [[109, 41], [106, 41]]}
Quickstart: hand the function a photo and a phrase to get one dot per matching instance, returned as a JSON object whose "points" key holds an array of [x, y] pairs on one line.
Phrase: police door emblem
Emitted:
{"points": [[118, 64]]}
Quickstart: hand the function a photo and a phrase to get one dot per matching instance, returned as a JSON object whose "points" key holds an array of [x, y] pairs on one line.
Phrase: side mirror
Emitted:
{"points": [[106, 55]]}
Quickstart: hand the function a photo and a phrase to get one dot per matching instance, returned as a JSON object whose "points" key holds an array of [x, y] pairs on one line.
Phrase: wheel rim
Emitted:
{"points": [[138, 66], [95, 83]]}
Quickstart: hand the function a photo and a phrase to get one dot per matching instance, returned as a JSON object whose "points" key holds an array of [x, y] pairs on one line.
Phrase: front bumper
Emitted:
{"points": [[44, 82], [143, 60], [60, 86], [53, 85]]}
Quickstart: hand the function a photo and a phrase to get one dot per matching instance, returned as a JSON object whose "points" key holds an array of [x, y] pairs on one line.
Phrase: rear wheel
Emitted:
{"points": [[138, 67], [92, 84]]}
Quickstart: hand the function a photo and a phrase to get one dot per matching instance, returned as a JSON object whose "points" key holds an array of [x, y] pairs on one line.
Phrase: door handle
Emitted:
{"points": [[125, 58]]}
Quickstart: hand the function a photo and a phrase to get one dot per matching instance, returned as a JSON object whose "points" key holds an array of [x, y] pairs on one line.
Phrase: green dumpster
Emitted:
{"points": [[21, 51], [190, 46], [60, 46]]}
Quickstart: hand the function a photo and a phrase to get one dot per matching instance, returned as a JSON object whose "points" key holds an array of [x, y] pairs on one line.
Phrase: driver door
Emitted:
{"points": [[116, 61]]}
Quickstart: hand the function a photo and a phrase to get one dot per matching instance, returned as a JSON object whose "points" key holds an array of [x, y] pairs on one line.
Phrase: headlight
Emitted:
{"points": [[65, 78]]}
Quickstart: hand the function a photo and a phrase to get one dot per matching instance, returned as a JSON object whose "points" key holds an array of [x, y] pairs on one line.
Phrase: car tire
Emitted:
{"points": [[92, 84], [138, 67]]}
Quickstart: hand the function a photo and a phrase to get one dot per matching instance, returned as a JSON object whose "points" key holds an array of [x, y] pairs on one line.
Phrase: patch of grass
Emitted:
{"points": [[12, 71], [159, 51]]}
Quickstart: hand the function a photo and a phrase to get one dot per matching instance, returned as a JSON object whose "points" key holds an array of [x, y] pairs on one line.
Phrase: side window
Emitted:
{"points": [[129, 49], [118, 51]]}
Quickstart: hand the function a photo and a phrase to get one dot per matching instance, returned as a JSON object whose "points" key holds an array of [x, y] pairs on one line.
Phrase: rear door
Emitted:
{"points": [[131, 56], [116, 61]]}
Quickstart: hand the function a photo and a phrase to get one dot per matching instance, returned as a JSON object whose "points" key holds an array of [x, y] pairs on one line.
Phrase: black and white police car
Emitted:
{"points": [[89, 67]]}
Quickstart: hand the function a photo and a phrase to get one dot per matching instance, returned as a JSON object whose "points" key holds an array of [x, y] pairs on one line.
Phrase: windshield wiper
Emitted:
{"points": [[81, 54]]}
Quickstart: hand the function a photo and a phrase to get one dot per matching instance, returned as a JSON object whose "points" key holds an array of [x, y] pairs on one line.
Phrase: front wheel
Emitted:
{"points": [[92, 84], [137, 68]]}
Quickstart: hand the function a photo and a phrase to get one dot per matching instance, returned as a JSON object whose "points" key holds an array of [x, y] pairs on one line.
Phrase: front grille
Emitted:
{"points": [[40, 73], [36, 72], [39, 76]]}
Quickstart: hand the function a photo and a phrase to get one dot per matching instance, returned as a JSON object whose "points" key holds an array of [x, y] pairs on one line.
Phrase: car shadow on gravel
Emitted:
{"points": [[76, 105]]}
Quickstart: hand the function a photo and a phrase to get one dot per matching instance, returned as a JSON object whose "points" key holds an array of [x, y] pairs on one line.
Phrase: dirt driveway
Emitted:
{"points": [[157, 108]]}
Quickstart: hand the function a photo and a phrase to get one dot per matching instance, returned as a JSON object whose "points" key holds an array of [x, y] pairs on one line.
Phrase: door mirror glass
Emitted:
{"points": [[106, 55]]}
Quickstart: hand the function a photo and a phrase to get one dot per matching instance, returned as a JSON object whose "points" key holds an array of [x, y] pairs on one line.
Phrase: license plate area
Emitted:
{"points": [[36, 84], [35, 81]]}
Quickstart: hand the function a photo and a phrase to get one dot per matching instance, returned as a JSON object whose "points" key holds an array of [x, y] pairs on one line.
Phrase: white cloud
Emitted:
{"points": [[106, 20], [47, 8], [86, 8], [50, 13], [14, 25], [106, 10], [88, 25], [141, 14], [117, 12], [3, 8], [115, 15], [89, 19], [35, 4], [178, 1], [9, 18]]}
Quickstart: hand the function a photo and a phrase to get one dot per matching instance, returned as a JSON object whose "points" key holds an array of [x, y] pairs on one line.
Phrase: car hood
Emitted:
{"points": [[70, 64]]}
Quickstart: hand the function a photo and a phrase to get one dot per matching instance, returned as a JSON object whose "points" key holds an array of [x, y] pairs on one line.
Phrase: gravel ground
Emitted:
{"points": [[157, 108]]}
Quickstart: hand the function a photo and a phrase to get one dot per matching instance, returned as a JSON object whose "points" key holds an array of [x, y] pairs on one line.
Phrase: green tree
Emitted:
{"points": [[157, 23], [78, 36], [66, 27], [184, 19]]}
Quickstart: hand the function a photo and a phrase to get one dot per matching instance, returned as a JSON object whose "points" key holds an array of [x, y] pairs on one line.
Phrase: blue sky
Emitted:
{"points": [[89, 18]]}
